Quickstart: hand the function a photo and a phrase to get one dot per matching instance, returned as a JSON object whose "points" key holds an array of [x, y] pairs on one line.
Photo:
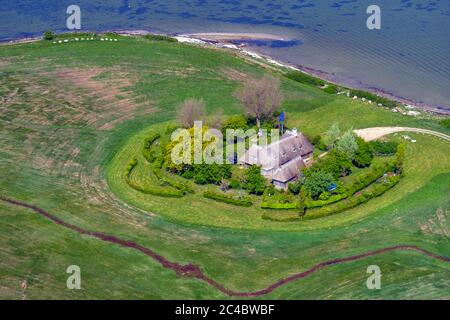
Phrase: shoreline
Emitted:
{"points": [[227, 40]]}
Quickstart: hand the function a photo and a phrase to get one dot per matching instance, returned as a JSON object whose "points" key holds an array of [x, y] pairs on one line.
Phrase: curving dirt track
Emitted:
{"points": [[194, 271], [370, 134]]}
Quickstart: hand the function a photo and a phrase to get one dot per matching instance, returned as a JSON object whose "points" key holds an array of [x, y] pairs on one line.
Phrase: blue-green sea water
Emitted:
{"points": [[409, 57]]}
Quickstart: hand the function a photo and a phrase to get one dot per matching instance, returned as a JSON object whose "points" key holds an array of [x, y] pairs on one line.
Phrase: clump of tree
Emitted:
{"points": [[335, 162], [363, 155], [235, 122], [347, 144], [318, 182], [332, 135], [383, 148], [49, 35], [261, 98], [254, 183], [189, 111]]}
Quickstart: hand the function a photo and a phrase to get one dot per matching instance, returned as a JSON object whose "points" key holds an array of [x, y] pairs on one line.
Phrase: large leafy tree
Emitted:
{"points": [[364, 155], [318, 182], [255, 183], [347, 144], [332, 135]]}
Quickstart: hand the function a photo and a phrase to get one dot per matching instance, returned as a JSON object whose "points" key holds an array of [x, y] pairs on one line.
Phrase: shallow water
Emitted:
{"points": [[408, 57]]}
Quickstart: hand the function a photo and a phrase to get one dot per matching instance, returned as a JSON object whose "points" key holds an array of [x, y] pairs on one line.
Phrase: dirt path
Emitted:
{"points": [[192, 271], [369, 134]]}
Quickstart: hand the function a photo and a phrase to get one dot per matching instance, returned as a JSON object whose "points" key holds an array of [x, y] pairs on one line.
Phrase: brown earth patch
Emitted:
{"points": [[233, 74]]}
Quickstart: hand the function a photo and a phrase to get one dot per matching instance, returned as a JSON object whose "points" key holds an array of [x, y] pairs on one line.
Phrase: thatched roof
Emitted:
{"points": [[272, 156], [289, 170]]}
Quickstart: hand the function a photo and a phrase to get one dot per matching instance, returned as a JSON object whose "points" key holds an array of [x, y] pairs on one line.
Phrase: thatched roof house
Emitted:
{"points": [[281, 161]]}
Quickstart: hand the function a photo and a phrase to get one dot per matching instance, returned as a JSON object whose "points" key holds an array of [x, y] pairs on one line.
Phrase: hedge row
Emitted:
{"points": [[146, 152], [320, 203], [156, 191], [183, 187], [161, 192], [245, 202], [280, 206], [158, 37], [304, 78], [364, 180], [351, 202], [131, 165]]}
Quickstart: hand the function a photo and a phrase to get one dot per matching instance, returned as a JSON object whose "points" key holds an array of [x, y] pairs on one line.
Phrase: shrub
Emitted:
{"points": [[400, 157], [335, 162], [445, 122], [304, 78], [235, 122], [324, 196], [323, 202], [243, 202], [374, 174], [156, 191], [377, 190], [210, 173], [160, 37], [131, 165], [255, 183], [146, 151], [294, 187], [383, 148], [280, 206], [347, 144], [49, 35], [331, 89], [183, 187], [363, 155], [318, 182]]}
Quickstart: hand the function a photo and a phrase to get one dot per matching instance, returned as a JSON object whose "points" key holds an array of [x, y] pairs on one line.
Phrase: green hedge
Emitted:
{"points": [[320, 203], [304, 78], [245, 202], [183, 187], [375, 173], [146, 151], [156, 191], [375, 190], [131, 165], [158, 37]]}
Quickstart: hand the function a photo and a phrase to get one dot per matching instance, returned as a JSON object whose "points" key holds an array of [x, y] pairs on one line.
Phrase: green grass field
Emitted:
{"points": [[72, 116]]}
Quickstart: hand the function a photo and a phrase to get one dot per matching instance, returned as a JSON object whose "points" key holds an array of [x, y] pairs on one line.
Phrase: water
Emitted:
{"points": [[409, 57]]}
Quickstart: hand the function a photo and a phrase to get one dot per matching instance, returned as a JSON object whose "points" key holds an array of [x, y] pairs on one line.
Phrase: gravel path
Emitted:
{"points": [[369, 134]]}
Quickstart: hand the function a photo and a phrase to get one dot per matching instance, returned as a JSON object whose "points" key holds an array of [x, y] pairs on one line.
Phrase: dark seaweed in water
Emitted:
{"points": [[268, 43]]}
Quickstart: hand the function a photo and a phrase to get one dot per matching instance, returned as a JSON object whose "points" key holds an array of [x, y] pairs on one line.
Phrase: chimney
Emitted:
{"points": [[294, 132]]}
